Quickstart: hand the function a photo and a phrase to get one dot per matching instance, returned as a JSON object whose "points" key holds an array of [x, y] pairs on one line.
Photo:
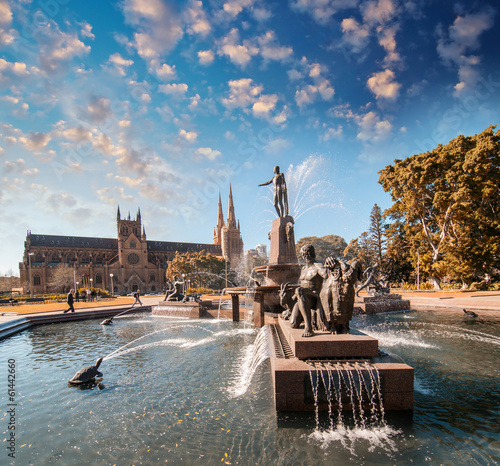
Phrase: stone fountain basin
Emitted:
{"points": [[292, 380]]}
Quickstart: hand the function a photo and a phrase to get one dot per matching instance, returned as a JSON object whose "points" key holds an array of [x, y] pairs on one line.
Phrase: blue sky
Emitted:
{"points": [[160, 105]]}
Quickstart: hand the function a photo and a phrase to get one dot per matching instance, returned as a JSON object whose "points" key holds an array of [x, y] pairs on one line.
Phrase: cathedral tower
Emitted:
{"points": [[228, 236]]}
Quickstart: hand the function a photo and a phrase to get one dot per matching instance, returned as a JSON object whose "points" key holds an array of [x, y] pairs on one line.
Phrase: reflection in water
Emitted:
{"points": [[181, 395]]}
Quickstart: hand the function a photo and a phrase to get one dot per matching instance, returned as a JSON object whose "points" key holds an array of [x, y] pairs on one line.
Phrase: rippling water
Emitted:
{"points": [[180, 394]]}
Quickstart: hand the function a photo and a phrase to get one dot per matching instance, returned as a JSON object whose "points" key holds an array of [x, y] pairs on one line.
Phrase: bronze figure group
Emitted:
{"points": [[324, 299]]}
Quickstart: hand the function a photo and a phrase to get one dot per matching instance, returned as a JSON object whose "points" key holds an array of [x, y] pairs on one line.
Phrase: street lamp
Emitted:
{"points": [[112, 288], [29, 260]]}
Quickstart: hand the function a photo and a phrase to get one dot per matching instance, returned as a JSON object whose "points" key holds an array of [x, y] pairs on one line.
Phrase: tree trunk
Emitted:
{"points": [[436, 282]]}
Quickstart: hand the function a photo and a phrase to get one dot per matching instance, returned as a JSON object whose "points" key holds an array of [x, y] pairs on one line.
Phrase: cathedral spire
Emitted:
{"points": [[118, 216], [139, 215], [231, 219], [220, 217]]}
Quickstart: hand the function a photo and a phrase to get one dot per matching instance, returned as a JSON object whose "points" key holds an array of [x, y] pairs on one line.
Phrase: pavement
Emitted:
{"points": [[14, 319], [483, 301]]}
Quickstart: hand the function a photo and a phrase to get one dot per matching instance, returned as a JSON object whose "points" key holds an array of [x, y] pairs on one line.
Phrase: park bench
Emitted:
{"points": [[34, 300]]}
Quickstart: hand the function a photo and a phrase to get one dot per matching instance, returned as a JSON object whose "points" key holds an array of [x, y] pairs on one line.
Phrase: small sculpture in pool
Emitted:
{"points": [[87, 374]]}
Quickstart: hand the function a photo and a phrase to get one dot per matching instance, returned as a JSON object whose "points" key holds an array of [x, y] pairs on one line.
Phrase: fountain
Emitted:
{"points": [[324, 300], [181, 393]]}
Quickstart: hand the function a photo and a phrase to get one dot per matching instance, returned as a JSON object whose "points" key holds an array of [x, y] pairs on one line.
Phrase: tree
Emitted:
{"points": [[329, 245], [62, 278], [452, 194], [201, 268], [377, 234]]}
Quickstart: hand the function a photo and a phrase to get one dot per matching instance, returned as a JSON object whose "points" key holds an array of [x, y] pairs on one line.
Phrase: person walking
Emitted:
{"points": [[137, 296], [70, 301]]}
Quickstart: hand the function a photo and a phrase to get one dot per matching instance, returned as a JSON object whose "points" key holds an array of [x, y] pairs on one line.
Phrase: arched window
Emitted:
{"points": [[98, 279], [54, 258], [152, 277], [39, 258], [132, 244], [37, 279]]}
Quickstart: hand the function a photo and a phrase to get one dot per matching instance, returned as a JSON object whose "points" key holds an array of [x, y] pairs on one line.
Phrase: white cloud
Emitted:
{"points": [[322, 10], [355, 35], [463, 38], [239, 54], [175, 90], [18, 166], [35, 141], [164, 72], [264, 105], [97, 110], [158, 27], [206, 57], [86, 31], [382, 84], [196, 19], [208, 153], [6, 34], [308, 93], [372, 128], [58, 47], [271, 50], [235, 7], [118, 64], [242, 93], [378, 11], [331, 133], [189, 136]]}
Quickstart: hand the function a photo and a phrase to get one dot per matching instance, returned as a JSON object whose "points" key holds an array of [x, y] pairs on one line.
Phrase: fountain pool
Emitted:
{"points": [[182, 395]]}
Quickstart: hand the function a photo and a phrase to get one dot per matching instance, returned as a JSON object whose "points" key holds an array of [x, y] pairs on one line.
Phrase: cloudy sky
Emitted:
{"points": [[161, 104]]}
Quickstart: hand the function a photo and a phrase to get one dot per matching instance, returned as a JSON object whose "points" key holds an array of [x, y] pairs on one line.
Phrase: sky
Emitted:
{"points": [[162, 105]]}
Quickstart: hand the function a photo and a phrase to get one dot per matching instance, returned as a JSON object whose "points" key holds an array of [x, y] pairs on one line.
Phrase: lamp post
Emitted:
{"points": [[29, 260], [112, 288]]}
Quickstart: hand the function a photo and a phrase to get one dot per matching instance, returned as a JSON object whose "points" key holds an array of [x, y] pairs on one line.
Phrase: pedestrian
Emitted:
{"points": [[77, 296], [70, 301], [137, 296], [89, 295]]}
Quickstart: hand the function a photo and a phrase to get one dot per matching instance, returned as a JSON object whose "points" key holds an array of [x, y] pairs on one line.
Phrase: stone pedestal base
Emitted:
{"points": [[339, 359], [380, 302], [190, 310], [326, 345]]}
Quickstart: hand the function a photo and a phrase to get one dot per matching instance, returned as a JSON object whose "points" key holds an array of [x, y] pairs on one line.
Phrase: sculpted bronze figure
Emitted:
{"points": [[280, 192]]}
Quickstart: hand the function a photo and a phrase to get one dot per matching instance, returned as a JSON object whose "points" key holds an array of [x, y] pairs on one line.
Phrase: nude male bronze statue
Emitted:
{"points": [[280, 192]]}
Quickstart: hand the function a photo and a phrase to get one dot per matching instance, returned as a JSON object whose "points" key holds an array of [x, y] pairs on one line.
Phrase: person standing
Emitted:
{"points": [[137, 296], [70, 301]]}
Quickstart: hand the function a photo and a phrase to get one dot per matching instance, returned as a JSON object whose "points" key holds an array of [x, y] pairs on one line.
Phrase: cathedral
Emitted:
{"points": [[127, 263]]}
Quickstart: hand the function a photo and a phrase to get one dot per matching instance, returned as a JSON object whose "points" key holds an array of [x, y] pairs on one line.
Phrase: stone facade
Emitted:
{"points": [[228, 235], [134, 261]]}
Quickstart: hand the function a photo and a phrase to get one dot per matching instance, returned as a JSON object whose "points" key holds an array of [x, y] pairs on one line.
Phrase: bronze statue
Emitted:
{"points": [[307, 294], [375, 281], [338, 293], [174, 293], [280, 192]]}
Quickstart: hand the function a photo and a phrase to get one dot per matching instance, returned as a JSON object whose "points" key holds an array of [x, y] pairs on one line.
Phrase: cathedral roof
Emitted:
{"points": [[110, 243], [73, 242]]}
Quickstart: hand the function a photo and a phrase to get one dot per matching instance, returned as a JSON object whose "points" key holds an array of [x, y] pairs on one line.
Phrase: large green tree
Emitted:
{"points": [[448, 200]]}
